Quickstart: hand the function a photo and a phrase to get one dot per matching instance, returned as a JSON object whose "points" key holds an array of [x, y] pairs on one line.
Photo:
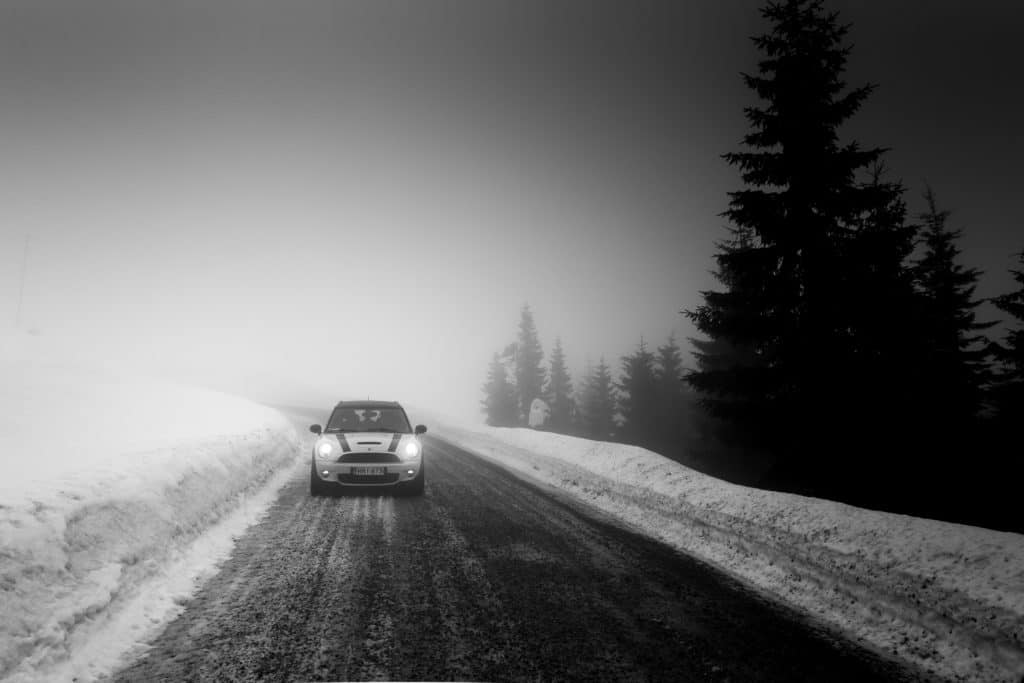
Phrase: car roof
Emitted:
{"points": [[368, 404]]}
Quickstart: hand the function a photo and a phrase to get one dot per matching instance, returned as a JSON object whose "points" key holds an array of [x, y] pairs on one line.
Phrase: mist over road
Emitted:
{"points": [[485, 577]]}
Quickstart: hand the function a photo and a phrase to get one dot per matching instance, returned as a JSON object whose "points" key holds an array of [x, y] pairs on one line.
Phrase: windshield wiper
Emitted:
{"points": [[335, 430]]}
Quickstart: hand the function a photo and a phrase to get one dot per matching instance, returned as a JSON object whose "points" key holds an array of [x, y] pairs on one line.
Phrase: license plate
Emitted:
{"points": [[369, 471]]}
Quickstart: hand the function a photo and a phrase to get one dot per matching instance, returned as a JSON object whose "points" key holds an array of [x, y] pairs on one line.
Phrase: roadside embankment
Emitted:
{"points": [[946, 598], [105, 480]]}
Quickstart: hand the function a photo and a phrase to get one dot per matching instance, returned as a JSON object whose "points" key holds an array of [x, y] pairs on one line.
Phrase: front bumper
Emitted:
{"points": [[347, 473]]}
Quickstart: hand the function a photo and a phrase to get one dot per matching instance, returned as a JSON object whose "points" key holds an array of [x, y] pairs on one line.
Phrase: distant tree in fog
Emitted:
{"points": [[638, 398], [674, 402], [558, 392], [528, 369], [499, 403], [580, 387], [955, 352], [1008, 388], [597, 412]]}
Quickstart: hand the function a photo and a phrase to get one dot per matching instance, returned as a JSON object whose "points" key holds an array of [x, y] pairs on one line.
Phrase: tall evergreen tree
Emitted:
{"points": [[956, 353], [674, 421], [558, 392], [581, 389], [788, 274], [732, 319], [499, 403], [1008, 390], [668, 371], [598, 407], [882, 374], [638, 398], [529, 372]]}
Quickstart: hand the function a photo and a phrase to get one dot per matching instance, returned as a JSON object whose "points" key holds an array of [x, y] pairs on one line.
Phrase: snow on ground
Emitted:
{"points": [[945, 597], [109, 488]]}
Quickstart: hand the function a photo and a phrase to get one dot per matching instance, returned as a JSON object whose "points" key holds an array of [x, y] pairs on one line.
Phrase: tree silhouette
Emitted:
{"points": [[499, 403], [558, 392], [790, 339], [1008, 389], [638, 398], [528, 370], [728, 364], [598, 408], [881, 372], [674, 420], [955, 351]]}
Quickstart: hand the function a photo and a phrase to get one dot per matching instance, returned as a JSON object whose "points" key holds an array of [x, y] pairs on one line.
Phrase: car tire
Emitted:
{"points": [[317, 486], [415, 487]]}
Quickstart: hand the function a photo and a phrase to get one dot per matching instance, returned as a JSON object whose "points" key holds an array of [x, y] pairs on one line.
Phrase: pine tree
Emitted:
{"points": [[598, 408], [638, 398], [558, 392], [529, 372], [883, 373], [669, 372], [787, 271], [732, 319], [1008, 389], [581, 390], [956, 353], [674, 421], [499, 403]]}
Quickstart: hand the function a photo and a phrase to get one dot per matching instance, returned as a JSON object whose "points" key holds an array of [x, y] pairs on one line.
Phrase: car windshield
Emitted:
{"points": [[368, 419]]}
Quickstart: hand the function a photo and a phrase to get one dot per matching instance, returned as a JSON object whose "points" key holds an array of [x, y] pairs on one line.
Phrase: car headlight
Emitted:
{"points": [[324, 449], [411, 450]]}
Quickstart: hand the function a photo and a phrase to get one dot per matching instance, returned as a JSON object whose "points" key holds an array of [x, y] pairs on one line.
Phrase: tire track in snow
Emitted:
{"points": [[485, 577]]}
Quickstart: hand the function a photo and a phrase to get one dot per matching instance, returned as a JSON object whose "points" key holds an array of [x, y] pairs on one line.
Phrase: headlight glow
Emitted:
{"points": [[324, 450], [412, 449]]}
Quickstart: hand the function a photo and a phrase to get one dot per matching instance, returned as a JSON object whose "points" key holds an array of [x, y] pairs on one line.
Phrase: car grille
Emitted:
{"points": [[362, 479], [369, 457]]}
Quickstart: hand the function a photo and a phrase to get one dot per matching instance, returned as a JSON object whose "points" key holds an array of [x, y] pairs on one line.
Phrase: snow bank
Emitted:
{"points": [[947, 598], [103, 479]]}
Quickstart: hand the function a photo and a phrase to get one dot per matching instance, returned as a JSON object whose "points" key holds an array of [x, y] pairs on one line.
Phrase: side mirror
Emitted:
{"points": [[421, 429], [315, 429]]}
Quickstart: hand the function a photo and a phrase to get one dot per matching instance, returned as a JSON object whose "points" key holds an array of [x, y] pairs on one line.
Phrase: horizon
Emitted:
{"points": [[358, 199]]}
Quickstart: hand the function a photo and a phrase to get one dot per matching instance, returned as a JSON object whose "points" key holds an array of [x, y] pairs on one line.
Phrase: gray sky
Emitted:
{"points": [[359, 197]]}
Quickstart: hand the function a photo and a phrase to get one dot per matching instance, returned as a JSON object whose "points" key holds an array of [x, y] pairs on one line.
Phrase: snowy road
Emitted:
{"points": [[486, 577]]}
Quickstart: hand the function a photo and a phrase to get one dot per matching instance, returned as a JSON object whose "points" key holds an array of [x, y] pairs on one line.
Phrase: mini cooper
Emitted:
{"points": [[367, 444]]}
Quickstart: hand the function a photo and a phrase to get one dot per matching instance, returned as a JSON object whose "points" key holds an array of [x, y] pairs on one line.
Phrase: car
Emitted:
{"points": [[367, 444]]}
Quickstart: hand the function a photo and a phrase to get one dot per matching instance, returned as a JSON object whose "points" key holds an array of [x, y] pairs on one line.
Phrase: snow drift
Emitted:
{"points": [[944, 597], [103, 479]]}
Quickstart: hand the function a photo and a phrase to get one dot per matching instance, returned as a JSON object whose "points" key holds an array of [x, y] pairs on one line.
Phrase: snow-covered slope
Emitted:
{"points": [[946, 597], [105, 482]]}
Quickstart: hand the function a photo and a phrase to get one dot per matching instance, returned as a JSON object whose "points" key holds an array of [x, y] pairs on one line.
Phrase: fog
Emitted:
{"points": [[309, 201]]}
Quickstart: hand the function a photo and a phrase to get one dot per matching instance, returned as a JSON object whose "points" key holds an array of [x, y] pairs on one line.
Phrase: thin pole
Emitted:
{"points": [[21, 286]]}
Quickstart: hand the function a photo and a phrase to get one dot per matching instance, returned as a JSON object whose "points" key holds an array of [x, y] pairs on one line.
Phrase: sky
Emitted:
{"points": [[313, 200]]}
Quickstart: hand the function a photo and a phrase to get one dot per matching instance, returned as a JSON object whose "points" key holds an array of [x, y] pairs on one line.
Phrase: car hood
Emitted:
{"points": [[368, 442]]}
